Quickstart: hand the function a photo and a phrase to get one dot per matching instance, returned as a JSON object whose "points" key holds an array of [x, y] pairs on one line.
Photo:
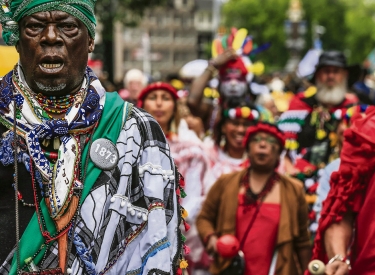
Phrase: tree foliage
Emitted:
{"points": [[349, 25], [265, 22]]}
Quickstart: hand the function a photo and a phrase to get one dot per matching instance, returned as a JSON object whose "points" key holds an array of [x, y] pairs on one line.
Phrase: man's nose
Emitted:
{"points": [[159, 101], [241, 128], [233, 82], [51, 35]]}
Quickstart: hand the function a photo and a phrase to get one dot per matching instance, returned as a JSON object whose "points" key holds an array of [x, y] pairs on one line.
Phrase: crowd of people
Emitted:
{"points": [[258, 165], [253, 176]]}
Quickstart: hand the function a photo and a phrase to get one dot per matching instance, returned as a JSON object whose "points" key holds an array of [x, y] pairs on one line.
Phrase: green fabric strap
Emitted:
{"points": [[109, 127]]}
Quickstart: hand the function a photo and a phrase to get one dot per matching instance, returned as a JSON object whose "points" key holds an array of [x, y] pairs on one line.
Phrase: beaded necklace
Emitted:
{"points": [[20, 197], [250, 196], [53, 104], [42, 224]]}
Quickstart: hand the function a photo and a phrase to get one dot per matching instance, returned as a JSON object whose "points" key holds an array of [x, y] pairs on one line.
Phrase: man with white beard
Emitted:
{"points": [[311, 122]]}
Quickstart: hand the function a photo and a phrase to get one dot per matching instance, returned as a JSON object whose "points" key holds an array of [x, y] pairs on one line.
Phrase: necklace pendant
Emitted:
{"points": [[45, 142], [30, 265], [56, 143]]}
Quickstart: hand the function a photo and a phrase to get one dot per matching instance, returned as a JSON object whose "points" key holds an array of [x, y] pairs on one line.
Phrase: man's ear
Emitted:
{"points": [[91, 45]]}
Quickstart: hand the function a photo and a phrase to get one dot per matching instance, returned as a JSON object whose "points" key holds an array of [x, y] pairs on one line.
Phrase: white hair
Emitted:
{"points": [[135, 74], [263, 99]]}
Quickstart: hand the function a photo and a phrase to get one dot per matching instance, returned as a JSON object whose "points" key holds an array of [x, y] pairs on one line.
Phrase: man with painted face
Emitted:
{"points": [[87, 182], [232, 83]]}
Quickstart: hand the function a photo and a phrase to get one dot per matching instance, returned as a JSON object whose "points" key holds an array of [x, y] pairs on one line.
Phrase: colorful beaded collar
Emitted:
{"points": [[241, 112]]}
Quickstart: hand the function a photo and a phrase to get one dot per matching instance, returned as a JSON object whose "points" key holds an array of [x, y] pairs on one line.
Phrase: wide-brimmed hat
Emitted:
{"points": [[338, 59]]}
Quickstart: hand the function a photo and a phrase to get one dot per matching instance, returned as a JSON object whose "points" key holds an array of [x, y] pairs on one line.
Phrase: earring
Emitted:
{"points": [[223, 141]]}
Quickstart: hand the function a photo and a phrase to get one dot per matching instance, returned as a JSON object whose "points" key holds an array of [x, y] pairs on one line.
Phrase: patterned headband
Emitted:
{"points": [[11, 12], [241, 112]]}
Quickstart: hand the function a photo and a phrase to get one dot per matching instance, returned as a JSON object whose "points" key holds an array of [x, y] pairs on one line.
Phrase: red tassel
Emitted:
{"points": [[178, 192], [182, 182], [187, 226], [186, 249], [19, 196], [179, 271]]}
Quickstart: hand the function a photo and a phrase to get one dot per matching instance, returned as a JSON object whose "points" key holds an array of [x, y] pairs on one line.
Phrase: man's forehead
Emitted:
{"points": [[55, 15], [233, 73]]}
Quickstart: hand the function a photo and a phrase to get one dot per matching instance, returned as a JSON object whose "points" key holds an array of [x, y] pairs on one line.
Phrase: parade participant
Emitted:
{"points": [[267, 101], [232, 65], [134, 81], [265, 210], [346, 229], [325, 175], [312, 113], [311, 122], [160, 100], [226, 151], [93, 189]]}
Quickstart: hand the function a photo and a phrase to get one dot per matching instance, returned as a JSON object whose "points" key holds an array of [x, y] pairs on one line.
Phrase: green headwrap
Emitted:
{"points": [[11, 12]]}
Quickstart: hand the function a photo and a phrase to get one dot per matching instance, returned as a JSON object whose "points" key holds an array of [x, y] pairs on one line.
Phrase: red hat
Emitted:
{"points": [[156, 86], [234, 64], [267, 128]]}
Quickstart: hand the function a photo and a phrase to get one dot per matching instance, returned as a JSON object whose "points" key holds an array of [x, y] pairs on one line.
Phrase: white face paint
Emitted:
{"points": [[331, 96], [233, 88], [49, 88]]}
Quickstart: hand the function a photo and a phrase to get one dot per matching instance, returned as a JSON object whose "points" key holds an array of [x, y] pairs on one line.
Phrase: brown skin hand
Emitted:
{"points": [[54, 37]]}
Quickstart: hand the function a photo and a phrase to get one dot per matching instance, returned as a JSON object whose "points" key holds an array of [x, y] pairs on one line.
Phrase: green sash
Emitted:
{"points": [[114, 115]]}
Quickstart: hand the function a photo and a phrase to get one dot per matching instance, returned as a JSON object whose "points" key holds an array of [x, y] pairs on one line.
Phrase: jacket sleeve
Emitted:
{"points": [[303, 239], [206, 220]]}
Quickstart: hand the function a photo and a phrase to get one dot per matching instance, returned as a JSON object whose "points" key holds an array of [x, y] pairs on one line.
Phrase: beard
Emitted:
{"points": [[331, 95]]}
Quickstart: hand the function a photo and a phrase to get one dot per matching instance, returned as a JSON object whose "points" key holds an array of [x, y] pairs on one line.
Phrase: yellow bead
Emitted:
{"points": [[310, 91], [207, 92], [320, 134], [245, 111], [184, 214], [183, 264], [310, 199]]}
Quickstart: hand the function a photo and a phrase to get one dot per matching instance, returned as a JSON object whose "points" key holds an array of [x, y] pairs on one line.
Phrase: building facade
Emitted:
{"points": [[166, 38]]}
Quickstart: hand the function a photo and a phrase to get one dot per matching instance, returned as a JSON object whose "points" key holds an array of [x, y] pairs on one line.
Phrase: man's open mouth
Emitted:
{"points": [[51, 66]]}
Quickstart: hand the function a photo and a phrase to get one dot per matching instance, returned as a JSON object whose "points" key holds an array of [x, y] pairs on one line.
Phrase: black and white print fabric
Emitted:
{"points": [[128, 224]]}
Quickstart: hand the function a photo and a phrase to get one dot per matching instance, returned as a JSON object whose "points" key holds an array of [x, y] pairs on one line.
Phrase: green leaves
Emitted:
{"points": [[349, 26]]}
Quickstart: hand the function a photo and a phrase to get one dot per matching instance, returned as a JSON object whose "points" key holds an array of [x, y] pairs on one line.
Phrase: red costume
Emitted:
{"points": [[353, 189], [260, 244]]}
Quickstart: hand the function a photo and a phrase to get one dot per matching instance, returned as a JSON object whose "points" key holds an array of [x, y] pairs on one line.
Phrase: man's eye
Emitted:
{"points": [[35, 27], [69, 27]]}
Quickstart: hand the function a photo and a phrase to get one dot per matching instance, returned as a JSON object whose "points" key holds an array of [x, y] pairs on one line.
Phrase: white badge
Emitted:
{"points": [[104, 154]]}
